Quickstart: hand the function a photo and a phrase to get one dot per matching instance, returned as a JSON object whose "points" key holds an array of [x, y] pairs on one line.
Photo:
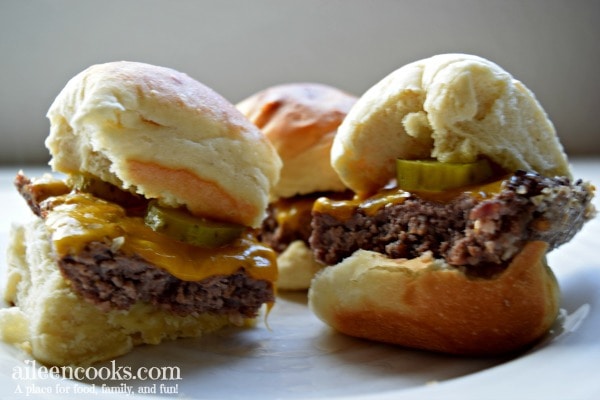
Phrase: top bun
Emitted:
{"points": [[301, 120], [162, 134], [450, 107]]}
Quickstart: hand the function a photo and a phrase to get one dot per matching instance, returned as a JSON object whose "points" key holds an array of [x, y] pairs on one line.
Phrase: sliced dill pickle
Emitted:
{"points": [[182, 226], [438, 176], [107, 191]]}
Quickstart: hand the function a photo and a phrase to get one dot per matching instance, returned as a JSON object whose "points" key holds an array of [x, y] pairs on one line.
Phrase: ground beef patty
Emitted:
{"points": [[466, 231], [289, 219], [279, 235], [114, 280]]}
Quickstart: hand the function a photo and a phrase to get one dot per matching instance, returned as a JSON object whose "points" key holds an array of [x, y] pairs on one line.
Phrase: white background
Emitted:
{"points": [[238, 47]]}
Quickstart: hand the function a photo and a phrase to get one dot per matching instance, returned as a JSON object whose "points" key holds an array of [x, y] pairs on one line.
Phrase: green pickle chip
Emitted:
{"points": [[182, 226], [429, 175]]}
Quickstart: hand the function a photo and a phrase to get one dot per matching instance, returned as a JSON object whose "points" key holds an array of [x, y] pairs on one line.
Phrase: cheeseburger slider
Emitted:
{"points": [[462, 188], [300, 120], [150, 234]]}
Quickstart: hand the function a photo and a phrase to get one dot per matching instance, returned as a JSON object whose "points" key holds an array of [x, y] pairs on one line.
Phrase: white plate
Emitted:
{"points": [[296, 356]]}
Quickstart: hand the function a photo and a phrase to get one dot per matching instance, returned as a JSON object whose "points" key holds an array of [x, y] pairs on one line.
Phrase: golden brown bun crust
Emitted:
{"points": [[420, 305], [160, 133], [453, 108], [301, 120]]}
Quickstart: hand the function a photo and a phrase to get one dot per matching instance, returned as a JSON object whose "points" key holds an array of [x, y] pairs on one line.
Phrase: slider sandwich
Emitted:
{"points": [[300, 120], [150, 235], [462, 189]]}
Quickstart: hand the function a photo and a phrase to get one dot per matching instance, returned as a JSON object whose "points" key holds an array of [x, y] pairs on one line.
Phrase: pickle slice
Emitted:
{"points": [[107, 191], [437, 176], [182, 226]]}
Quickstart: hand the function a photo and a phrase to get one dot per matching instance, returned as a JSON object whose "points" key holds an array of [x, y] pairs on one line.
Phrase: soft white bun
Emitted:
{"points": [[297, 267], [160, 133], [57, 327], [420, 303], [301, 120], [450, 107]]}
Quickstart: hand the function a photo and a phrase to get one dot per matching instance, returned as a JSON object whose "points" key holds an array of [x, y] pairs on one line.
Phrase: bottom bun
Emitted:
{"points": [[296, 267], [57, 327], [422, 303]]}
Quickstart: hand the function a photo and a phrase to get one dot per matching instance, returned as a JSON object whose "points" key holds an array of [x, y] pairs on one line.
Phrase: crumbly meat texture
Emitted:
{"points": [[279, 236], [117, 281], [35, 194], [279, 233], [467, 231], [113, 280]]}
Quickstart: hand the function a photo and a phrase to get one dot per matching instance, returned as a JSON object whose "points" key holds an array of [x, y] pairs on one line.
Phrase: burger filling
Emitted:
{"points": [[116, 248], [479, 227], [289, 219]]}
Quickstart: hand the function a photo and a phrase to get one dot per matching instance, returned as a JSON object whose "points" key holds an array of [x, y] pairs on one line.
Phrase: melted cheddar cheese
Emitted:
{"points": [[344, 209], [292, 213], [80, 218]]}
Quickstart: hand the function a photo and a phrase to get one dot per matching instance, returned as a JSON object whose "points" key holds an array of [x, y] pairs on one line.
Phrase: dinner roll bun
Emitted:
{"points": [[421, 303], [450, 107], [301, 120], [57, 327], [162, 134], [297, 267]]}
